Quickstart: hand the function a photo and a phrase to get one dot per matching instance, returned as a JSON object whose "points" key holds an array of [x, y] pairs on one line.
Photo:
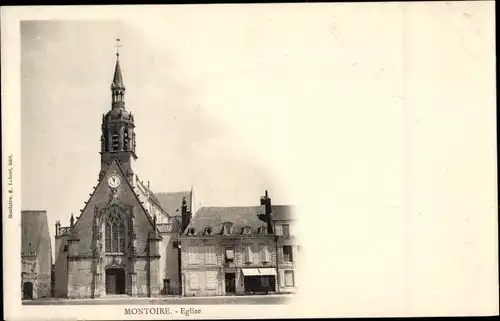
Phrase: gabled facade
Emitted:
{"points": [[124, 241], [36, 256]]}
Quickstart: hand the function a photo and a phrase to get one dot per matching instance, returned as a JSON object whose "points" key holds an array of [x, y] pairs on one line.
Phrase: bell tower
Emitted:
{"points": [[118, 136]]}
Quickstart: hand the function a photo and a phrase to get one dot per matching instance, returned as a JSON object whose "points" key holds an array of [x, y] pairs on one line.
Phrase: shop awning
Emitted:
{"points": [[267, 271], [250, 272], [259, 272]]}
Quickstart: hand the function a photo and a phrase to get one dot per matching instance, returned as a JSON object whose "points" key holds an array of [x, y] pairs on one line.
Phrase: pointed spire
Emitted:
{"points": [[71, 220], [117, 78]]}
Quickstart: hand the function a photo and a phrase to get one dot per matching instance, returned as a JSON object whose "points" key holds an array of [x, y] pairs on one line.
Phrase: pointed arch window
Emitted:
{"points": [[114, 236]]}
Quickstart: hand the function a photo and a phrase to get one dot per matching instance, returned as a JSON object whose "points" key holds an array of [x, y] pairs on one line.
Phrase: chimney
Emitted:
{"points": [[186, 215], [71, 221], [266, 202]]}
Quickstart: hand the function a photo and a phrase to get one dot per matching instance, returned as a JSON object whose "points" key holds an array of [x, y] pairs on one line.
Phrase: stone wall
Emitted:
{"points": [[79, 278], [60, 268]]}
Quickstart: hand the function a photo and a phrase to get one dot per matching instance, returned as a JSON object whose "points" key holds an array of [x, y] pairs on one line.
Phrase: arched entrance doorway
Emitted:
{"points": [[28, 291], [115, 281]]}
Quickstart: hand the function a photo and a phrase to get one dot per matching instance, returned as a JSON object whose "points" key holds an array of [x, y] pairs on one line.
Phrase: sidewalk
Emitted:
{"points": [[164, 298]]}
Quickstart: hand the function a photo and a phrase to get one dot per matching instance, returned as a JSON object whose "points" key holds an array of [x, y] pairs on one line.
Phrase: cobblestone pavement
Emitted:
{"points": [[254, 299]]}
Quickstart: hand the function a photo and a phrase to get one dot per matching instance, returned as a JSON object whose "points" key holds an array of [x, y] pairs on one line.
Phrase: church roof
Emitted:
{"points": [[239, 217], [33, 224], [117, 77], [172, 202]]}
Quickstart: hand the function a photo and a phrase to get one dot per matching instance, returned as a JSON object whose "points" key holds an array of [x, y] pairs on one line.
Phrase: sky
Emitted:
{"points": [[370, 121]]}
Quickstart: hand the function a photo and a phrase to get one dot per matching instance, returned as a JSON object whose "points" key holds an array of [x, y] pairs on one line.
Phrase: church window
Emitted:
{"points": [[114, 237]]}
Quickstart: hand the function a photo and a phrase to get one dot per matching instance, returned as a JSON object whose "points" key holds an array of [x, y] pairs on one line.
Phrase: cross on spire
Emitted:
{"points": [[118, 46]]}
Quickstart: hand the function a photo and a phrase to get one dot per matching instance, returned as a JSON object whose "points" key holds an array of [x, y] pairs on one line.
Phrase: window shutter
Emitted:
{"points": [[289, 278], [194, 282], [282, 278], [211, 280], [280, 254], [248, 256], [210, 257], [200, 255], [266, 254], [192, 255]]}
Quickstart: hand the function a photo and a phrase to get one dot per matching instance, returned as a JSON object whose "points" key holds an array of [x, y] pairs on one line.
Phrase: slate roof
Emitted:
{"points": [[172, 202], [117, 77], [240, 217], [282, 212], [32, 225]]}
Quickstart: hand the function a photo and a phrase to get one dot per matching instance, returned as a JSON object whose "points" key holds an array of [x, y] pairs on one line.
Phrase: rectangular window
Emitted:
{"points": [[175, 245], [287, 253], [210, 257], [256, 256], [278, 229], [211, 280], [286, 229], [229, 255], [289, 279]]}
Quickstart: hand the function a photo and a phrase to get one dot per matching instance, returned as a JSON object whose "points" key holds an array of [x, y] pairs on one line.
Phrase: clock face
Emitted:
{"points": [[114, 181]]}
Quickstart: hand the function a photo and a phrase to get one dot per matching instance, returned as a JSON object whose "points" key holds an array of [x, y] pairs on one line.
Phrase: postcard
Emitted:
{"points": [[234, 161]]}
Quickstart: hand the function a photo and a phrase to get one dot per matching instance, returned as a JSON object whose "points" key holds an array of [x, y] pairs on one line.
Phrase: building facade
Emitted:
{"points": [[231, 251], [124, 242], [287, 248], [36, 256]]}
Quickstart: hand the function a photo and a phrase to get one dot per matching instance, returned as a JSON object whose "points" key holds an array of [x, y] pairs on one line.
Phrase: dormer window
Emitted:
{"points": [[208, 231], [191, 231], [246, 230], [262, 230], [226, 229]]}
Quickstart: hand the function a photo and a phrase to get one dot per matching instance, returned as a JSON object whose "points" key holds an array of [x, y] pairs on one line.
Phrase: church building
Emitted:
{"points": [[125, 240]]}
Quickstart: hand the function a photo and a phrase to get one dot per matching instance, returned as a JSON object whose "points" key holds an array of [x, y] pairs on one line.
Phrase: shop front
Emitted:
{"points": [[259, 280]]}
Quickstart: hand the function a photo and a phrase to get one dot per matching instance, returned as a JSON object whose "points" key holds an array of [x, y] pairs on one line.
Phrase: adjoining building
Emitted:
{"points": [[230, 251], [36, 256], [288, 248]]}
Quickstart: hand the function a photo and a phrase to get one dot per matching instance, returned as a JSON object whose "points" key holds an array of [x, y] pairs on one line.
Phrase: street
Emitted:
{"points": [[251, 299]]}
